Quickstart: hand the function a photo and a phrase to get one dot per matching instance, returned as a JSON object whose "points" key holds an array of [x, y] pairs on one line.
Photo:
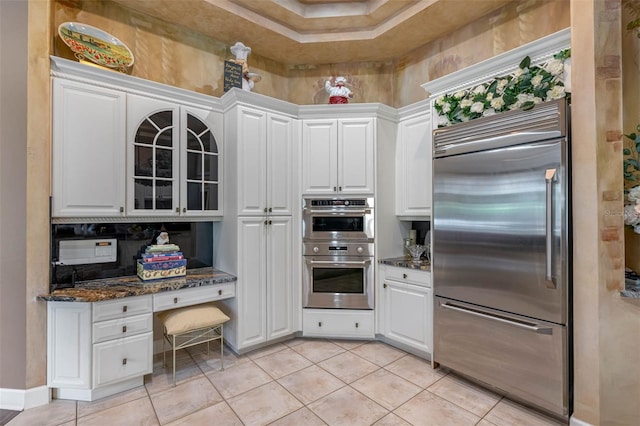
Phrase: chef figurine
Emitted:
{"points": [[163, 238], [338, 94], [242, 53]]}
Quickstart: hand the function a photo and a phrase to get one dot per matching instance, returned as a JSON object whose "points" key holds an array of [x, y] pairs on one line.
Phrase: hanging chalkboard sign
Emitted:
{"points": [[232, 75]]}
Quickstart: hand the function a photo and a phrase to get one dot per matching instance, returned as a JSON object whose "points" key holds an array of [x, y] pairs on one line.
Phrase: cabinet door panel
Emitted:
{"points": [[252, 277], [408, 314], [356, 157], [280, 164], [252, 149], [279, 269], [121, 359], [319, 156], [88, 150], [413, 167]]}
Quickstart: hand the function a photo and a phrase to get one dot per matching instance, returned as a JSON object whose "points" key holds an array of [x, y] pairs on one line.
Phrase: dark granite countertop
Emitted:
{"points": [[632, 288], [115, 288], [404, 262]]}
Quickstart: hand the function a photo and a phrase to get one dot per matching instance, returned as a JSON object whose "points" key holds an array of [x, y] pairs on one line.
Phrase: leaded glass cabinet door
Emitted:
{"points": [[153, 157], [201, 162]]}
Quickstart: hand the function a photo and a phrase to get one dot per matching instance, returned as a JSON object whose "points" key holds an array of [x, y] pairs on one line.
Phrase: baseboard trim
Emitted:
{"points": [[18, 399], [577, 422]]}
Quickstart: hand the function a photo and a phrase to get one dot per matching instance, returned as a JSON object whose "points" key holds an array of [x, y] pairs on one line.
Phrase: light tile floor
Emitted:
{"points": [[301, 382]]}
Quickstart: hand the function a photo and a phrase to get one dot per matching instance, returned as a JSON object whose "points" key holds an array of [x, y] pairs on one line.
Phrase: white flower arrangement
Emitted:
{"points": [[527, 86]]}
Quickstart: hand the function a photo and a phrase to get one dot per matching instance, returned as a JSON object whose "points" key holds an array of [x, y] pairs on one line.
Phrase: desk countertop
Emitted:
{"points": [[404, 262], [115, 288]]}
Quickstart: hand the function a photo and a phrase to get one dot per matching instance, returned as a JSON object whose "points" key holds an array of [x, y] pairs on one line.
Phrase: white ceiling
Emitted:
{"points": [[321, 31]]}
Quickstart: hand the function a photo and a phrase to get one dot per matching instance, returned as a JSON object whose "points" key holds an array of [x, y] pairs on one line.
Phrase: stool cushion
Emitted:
{"points": [[181, 320]]}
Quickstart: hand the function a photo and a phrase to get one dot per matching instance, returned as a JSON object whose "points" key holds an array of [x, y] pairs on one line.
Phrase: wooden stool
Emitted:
{"points": [[192, 325]]}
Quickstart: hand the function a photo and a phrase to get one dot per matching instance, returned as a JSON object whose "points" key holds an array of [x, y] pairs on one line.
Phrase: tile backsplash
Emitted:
{"points": [[194, 238]]}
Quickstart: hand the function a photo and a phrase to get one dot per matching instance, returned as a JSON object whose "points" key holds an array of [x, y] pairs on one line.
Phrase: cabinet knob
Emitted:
{"points": [[340, 188], [384, 285], [175, 300], [124, 328], [121, 209], [265, 209], [404, 276], [319, 323], [270, 209], [335, 189], [177, 209], [265, 222], [270, 222], [219, 292], [357, 325], [184, 210], [124, 308], [124, 361]]}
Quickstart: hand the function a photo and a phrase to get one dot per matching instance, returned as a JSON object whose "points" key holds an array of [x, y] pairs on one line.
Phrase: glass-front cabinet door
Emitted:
{"points": [[153, 152], [201, 165]]}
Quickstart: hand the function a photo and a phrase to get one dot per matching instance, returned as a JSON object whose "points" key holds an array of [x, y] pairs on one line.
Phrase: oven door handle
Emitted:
{"points": [[338, 212], [338, 263]]}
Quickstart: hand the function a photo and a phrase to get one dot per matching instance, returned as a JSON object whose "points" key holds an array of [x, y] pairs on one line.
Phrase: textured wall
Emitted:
{"points": [[505, 29]]}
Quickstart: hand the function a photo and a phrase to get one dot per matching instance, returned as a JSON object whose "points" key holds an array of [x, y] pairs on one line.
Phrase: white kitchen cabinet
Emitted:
{"points": [[88, 150], [338, 156], [265, 162], [338, 323], [98, 349], [264, 295], [406, 317], [413, 167], [173, 159]]}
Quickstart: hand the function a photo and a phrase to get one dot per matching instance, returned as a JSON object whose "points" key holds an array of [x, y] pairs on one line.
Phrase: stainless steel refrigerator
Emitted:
{"points": [[501, 253]]}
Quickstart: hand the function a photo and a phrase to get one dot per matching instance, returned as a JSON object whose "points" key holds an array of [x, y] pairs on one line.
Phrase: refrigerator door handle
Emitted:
{"points": [[520, 324], [550, 178]]}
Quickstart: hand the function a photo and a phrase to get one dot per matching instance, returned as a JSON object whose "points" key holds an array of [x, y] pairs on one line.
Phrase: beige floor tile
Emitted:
{"points": [[211, 362], [349, 344], [56, 412], [264, 405], [484, 422], [184, 399], [138, 412], [162, 378], [311, 383], [85, 408], [416, 370], [318, 350], [69, 423], [347, 406], [378, 353], [429, 409], [267, 350], [386, 388], [282, 363], [507, 413], [238, 379], [348, 367], [218, 414], [295, 342], [465, 394], [302, 417], [391, 420]]}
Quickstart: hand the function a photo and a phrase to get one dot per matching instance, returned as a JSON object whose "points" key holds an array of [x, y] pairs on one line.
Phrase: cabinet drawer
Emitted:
{"points": [[414, 276], [122, 359], [192, 296], [122, 327], [121, 308], [335, 323]]}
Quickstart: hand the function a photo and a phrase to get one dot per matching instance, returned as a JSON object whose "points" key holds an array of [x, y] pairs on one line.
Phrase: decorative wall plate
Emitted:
{"points": [[93, 44]]}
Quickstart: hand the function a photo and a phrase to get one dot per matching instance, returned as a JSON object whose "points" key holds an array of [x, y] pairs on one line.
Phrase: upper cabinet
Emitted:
{"points": [[338, 156], [173, 159], [88, 150], [153, 153], [265, 161], [413, 166]]}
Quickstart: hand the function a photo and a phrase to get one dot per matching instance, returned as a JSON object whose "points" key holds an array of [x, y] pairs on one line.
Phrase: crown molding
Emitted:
{"points": [[354, 110], [237, 96]]}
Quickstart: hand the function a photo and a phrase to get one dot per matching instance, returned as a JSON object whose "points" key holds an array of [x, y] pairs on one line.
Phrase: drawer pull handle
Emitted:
{"points": [[175, 300], [384, 285], [121, 209], [404, 276], [219, 292], [124, 328], [319, 323], [124, 308], [124, 361], [357, 325]]}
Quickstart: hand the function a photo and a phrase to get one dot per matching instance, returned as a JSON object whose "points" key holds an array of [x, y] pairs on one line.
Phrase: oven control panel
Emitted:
{"points": [[318, 248], [338, 203]]}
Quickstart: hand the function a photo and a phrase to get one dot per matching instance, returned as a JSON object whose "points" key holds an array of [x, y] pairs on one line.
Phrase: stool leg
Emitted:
{"points": [[174, 360], [221, 348], [164, 353]]}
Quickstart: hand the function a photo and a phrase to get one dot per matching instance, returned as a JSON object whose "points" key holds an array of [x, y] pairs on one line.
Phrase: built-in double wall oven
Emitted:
{"points": [[338, 253]]}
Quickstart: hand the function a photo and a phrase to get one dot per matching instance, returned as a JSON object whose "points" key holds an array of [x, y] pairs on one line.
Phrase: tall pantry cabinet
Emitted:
{"points": [[259, 237]]}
